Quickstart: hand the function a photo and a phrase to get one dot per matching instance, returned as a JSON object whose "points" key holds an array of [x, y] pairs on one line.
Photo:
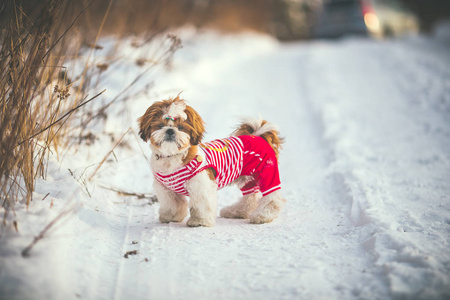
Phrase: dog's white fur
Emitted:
{"points": [[203, 205], [173, 207], [181, 140], [176, 109], [202, 190]]}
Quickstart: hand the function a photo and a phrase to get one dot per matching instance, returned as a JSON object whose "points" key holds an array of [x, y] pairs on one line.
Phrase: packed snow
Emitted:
{"points": [[365, 171]]}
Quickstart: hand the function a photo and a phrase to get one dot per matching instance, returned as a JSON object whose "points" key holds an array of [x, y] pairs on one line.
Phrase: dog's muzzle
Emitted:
{"points": [[169, 135]]}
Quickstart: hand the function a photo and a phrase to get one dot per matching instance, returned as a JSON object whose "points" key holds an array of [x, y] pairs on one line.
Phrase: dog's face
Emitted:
{"points": [[171, 126]]}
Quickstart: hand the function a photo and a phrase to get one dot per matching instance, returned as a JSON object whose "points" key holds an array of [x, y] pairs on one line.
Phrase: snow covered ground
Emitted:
{"points": [[365, 171]]}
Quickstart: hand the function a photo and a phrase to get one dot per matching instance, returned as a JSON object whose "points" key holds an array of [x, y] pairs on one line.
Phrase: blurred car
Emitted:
{"points": [[337, 18], [394, 19], [381, 18]]}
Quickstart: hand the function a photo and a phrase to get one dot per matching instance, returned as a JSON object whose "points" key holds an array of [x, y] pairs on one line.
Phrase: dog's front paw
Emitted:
{"points": [[196, 222]]}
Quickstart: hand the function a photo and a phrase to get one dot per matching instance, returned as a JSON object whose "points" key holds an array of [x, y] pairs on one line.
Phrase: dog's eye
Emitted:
{"points": [[180, 127], [160, 126]]}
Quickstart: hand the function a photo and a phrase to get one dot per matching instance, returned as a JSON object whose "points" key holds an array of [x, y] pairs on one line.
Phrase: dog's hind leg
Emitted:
{"points": [[268, 209], [241, 209], [249, 201]]}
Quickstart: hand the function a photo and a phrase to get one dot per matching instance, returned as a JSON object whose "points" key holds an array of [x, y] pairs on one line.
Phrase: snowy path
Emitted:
{"points": [[364, 171], [235, 260]]}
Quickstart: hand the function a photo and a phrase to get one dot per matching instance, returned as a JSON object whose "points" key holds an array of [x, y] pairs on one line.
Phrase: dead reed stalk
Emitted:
{"points": [[30, 59], [43, 233], [106, 156]]}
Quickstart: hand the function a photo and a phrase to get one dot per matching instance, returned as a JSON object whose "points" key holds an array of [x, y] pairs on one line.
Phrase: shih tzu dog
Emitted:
{"points": [[183, 166]]}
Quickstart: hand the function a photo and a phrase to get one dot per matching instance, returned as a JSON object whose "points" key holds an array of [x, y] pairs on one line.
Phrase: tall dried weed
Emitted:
{"points": [[31, 62]]}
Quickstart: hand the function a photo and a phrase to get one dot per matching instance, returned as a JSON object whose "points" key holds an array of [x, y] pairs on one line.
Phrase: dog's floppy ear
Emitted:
{"points": [[153, 113], [144, 131], [197, 124]]}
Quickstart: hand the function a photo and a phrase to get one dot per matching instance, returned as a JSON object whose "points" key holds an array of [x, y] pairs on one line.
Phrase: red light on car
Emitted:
{"points": [[370, 18], [366, 7]]}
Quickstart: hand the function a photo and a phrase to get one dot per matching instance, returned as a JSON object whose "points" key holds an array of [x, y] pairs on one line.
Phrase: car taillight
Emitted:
{"points": [[370, 17]]}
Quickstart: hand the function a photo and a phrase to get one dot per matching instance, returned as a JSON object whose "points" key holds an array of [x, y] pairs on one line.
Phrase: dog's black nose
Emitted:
{"points": [[170, 132]]}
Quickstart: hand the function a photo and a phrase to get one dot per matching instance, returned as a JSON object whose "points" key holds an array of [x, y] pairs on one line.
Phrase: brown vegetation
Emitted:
{"points": [[36, 96], [27, 66]]}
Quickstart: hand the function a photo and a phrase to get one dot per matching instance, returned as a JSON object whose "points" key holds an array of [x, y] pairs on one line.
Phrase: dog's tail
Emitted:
{"points": [[262, 128]]}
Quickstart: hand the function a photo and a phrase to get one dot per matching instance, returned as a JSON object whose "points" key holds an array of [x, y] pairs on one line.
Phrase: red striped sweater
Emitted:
{"points": [[231, 157]]}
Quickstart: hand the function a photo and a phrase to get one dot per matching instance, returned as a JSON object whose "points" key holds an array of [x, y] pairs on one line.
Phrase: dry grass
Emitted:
{"points": [[36, 97], [25, 63]]}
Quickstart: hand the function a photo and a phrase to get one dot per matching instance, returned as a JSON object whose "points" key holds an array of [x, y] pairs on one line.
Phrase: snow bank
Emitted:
{"points": [[386, 122]]}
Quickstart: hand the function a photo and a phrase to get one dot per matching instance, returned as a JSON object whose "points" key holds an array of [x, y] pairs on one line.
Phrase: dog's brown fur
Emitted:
{"points": [[272, 137], [152, 118]]}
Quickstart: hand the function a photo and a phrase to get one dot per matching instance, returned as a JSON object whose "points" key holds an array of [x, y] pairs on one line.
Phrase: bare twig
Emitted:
{"points": [[68, 28], [120, 94], [15, 226], [131, 252], [81, 181], [45, 196], [26, 251], [61, 118], [106, 156], [148, 196], [142, 150]]}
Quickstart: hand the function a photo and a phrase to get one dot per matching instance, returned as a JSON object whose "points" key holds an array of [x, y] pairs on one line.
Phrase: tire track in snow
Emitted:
{"points": [[99, 266], [368, 284], [117, 284], [94, 266], [109, 262], [377, 171], [142, 237]]}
